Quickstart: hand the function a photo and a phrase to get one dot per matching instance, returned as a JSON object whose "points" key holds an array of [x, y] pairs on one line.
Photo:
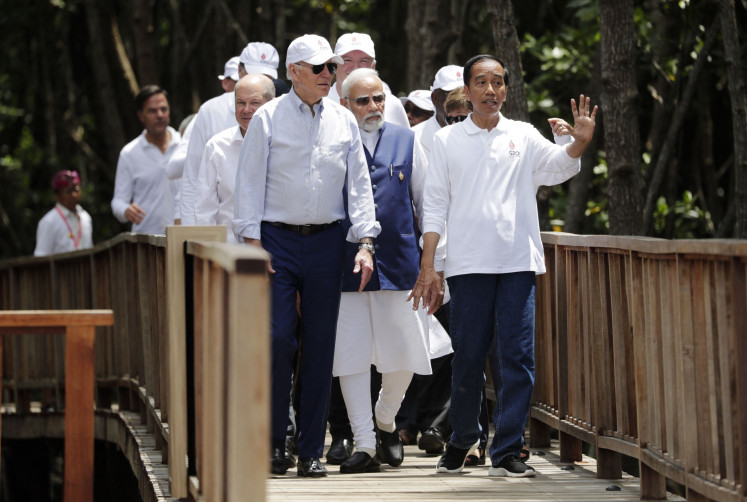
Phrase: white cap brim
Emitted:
{"points": [[263, 69], [422, 103]]}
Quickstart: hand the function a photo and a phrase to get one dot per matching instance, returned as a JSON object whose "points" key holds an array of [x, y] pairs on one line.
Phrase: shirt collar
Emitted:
{"points": [[175, 139], [65, 210], [472, 128], [237, 134], [300, 105]]}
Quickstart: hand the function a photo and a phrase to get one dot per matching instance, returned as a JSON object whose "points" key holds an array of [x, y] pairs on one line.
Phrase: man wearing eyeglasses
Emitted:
{"points": [[376, 326], [357, 51], [418, 106], [299, 152]]}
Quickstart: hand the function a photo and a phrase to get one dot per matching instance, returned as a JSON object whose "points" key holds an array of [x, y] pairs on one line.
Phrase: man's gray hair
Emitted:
{"points": [[268, 86], [356, 76]]}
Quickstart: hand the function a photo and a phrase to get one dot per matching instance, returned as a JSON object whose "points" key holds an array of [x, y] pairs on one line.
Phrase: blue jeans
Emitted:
{"points": [[483, 305]]}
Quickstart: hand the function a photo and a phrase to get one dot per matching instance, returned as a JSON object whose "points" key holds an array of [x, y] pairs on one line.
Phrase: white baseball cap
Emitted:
{"points": [[448, 78], [355, 42], [231, 70], [420, 98], [260, 57], [311, 49]]}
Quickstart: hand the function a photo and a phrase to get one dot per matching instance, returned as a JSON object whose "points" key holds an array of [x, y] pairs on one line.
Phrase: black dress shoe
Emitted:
{"points": [[290, 460], [360, 462], [311, 468], [277, 464], [432, 441], [339, 451], [389, 447]]}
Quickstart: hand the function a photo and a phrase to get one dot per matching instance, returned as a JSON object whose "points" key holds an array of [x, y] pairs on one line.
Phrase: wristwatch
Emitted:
{"points": [[367, 247]]}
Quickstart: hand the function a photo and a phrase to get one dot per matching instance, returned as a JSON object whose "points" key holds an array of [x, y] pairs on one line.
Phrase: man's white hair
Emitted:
{"points": [[356, 76]]}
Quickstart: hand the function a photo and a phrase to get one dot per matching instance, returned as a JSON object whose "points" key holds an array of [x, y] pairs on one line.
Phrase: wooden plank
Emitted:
{"points": [[666, 339], [248, 386], [727, 376], [737, 331], [42, 318], [79, 430], [688, 377], [175, 238]]}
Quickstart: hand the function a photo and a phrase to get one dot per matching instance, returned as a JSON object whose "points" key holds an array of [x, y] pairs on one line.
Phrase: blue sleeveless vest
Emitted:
{"points": [[397, 257]]}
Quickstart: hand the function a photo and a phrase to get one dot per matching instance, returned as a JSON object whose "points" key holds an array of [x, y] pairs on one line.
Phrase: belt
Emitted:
{"points": [[303, 229]]}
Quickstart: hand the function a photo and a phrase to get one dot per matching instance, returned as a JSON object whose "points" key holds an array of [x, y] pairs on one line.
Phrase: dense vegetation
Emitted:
{"points": [[69, 70]]}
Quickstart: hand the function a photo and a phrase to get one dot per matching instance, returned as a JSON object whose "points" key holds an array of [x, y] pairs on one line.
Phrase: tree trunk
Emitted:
{"points": [[674, 128], [109, 117], [738, 95], [144, 42], [507, 50], [578, 188], [619, 95], [430, 30]]}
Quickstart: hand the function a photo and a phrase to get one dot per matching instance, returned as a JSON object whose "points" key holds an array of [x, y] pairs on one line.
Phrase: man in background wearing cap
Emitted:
{"points": [[357, 51], [447, 79], [230, 74], [175, 168], [418, 106], [299, 151], [141, 188], [216, 115], [67, 226], [220, 158]]}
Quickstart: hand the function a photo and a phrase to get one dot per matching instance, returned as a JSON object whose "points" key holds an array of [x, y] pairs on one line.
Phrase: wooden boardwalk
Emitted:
{"points": [[416, 480]]}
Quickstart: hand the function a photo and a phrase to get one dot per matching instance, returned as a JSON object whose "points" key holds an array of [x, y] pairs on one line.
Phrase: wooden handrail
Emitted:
{"points": [[79, 327]]}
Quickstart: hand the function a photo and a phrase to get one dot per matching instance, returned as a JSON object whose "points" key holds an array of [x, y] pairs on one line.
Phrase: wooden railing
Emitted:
{"points": [[139, 361], [641, 350], [79, 328]]}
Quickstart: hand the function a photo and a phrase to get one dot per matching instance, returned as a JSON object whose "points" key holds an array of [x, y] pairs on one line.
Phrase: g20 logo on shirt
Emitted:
{"points": [[513, 153]]}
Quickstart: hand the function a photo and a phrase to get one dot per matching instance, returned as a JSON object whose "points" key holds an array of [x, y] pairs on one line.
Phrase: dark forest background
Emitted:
{"points": [[668, 158]]}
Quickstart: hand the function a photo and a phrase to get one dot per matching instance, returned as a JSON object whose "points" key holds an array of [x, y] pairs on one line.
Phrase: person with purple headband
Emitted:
{"points": [[67, 226]]}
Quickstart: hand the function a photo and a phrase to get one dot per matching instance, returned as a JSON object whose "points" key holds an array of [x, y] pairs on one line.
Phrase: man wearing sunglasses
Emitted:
{"points": [[299, 152], [357, 51], [418, 106], [376, 326]]}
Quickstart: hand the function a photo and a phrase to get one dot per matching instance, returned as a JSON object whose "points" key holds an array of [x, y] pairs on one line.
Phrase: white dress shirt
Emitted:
{"points": [[216, 180], [175, 168], [141, 178], [482, 185], [61, 231], [424, 133], [293, 166], [214, 116], [394, 110]]}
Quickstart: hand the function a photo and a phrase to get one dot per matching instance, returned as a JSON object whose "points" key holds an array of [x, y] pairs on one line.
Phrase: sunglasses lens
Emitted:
{"points": [[332, 68], [379, 98]]}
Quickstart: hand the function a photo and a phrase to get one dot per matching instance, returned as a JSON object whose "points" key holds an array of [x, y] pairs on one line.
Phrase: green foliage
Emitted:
{"points": [[689, 220]]}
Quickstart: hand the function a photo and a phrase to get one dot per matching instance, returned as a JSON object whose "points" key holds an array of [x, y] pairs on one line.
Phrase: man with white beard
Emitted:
{"points": [[377, 326]]}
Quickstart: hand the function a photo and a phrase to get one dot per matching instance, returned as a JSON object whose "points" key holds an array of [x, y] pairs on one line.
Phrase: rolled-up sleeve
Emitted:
{"points": [[251, 178], [436, 196]]}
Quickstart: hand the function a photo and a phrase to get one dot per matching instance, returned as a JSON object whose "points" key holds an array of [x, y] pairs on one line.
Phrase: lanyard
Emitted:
{"points": [[76, 241]]}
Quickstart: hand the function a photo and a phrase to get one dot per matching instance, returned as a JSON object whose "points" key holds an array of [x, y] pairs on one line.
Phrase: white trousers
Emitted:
{"points": [[356, 390]]}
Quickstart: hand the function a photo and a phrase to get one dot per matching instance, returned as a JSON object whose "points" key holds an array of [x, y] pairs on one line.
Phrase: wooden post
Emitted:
{"points": [[79, 327], [79, 413], [177, 350]]}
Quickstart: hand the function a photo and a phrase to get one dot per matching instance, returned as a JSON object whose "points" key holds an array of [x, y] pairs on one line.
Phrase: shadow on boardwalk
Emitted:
{"points": [[416, 480]]}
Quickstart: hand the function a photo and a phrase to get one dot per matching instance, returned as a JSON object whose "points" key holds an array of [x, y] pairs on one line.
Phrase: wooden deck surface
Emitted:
{"points": [[416, 480]]}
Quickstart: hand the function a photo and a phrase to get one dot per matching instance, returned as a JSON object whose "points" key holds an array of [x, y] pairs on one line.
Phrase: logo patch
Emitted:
{"points": [[513, 153]]}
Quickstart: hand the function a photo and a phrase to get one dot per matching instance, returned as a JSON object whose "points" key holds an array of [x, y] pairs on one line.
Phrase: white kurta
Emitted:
{"points": [[380, 328]]}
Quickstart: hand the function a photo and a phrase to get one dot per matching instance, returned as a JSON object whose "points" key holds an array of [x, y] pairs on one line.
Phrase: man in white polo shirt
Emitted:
{"points": [[482, 183]]}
